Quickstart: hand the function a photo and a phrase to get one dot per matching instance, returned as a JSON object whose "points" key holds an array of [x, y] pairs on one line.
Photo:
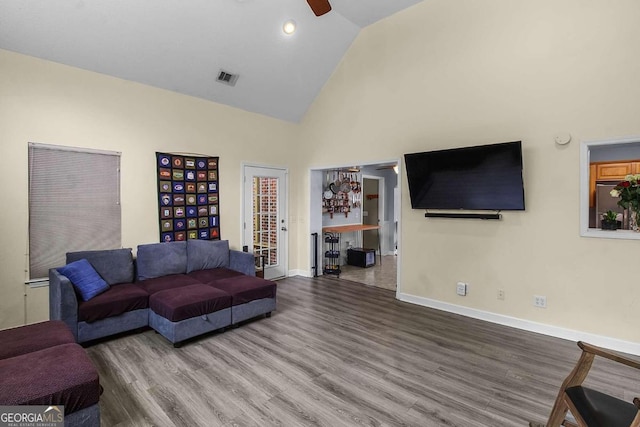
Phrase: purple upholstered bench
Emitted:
{"points": [[30, 338], [41, 364], [60, 375], [188, 311]]}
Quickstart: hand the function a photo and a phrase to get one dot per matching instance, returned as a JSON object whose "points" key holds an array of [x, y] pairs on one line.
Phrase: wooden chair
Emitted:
{"points": [[589, 407]]}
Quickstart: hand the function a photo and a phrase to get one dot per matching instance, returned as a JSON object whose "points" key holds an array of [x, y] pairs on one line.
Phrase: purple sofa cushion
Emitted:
{"points": [[245, 289], [188, 301], [34, 337], [151, 286], [60, 375], [208, 276], [117, 300]]}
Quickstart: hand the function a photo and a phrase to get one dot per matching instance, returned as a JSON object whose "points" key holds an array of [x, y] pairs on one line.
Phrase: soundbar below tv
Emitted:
{"points": [[484, 177]]}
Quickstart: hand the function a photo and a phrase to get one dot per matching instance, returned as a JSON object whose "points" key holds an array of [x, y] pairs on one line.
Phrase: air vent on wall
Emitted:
{"points": [[227, 78]]}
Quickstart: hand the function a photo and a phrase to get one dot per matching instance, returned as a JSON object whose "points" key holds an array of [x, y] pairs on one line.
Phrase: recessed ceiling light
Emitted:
{"points": [[289, 27]]}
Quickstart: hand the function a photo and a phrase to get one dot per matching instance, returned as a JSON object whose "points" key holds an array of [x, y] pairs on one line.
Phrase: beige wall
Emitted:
{"points": [[49, 103], [452, 73], [443, 73]]}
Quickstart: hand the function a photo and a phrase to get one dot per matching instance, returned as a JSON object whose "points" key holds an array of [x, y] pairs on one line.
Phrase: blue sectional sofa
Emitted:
{"points": [[181, 289]]}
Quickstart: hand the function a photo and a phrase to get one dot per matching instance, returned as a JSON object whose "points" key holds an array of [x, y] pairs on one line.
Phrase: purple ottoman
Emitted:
{"points": [[58, 375], [188, 311], [251, 296], [40, 364], [34, 337]]}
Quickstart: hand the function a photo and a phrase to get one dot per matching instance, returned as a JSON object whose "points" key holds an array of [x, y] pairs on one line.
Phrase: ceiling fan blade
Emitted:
{"points": [[319, 7]]}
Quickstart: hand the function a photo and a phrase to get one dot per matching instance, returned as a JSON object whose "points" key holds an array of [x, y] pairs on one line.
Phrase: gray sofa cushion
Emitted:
{"points": [[161, 259], [207, 254], [114, 265]]}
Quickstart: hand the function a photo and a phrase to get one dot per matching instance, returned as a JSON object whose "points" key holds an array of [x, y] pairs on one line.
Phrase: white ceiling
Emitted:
{"points": [[182, 45]]}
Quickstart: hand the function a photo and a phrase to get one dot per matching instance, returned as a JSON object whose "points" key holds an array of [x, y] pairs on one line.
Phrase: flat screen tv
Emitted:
{"points": [[484, 177]]}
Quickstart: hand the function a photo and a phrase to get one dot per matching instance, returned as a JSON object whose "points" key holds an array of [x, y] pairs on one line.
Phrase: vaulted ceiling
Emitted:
{"points": [[183, 45]]}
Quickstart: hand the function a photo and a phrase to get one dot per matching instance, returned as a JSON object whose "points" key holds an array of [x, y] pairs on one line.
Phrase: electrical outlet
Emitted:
{"points": [[540, 301], [501, 294], [461, 289]]}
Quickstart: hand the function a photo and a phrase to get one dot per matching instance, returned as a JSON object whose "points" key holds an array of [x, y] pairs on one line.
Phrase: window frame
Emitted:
{"points": [[585, 161], [74, 180]]}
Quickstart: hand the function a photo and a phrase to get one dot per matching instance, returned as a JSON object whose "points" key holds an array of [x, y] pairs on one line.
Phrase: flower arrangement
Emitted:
{"points": [[629, 192]]}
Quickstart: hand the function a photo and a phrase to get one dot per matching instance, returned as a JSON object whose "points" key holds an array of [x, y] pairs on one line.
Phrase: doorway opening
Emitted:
{"points": [[374, 205]]}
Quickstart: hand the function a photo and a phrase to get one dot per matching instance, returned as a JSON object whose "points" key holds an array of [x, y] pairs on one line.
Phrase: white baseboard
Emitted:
{"points": [[527, 325], [302, 273]]}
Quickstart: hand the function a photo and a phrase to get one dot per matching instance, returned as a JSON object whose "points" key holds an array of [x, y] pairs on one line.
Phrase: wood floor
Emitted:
{"points": [[338, 353]]}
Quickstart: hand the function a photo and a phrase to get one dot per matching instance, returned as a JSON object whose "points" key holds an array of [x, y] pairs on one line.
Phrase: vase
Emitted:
{"points": [[633, 220], [609, 225]]}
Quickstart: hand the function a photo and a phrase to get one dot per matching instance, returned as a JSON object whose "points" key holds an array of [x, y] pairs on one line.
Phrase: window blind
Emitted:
{"points": [[74, 204]]}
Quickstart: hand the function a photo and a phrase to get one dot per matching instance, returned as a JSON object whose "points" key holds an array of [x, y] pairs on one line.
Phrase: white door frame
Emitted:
{"points": [[316, 183], [282, 215]]}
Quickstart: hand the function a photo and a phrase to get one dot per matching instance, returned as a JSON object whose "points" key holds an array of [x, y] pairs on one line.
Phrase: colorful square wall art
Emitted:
{"points": [[188, 202]]}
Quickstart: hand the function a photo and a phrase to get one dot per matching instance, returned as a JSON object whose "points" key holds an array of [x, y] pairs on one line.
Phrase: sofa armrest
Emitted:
{"points": [[243, 262], [63, 303]]}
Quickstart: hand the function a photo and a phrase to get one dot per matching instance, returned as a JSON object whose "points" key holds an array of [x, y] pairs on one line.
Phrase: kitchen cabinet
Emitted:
{"points": [[615, 171], [610, 172]]}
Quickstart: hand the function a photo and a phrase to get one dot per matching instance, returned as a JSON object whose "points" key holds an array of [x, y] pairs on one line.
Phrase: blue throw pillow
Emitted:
{"points": [[84, 278]]}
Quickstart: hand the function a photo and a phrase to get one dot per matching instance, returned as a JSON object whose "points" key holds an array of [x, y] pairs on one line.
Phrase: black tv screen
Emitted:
{"points": [[484, 177]]}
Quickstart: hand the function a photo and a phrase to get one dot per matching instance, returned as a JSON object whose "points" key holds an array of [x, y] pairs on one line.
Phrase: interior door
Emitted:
{"points": [[265, 223], [370, 211]]}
